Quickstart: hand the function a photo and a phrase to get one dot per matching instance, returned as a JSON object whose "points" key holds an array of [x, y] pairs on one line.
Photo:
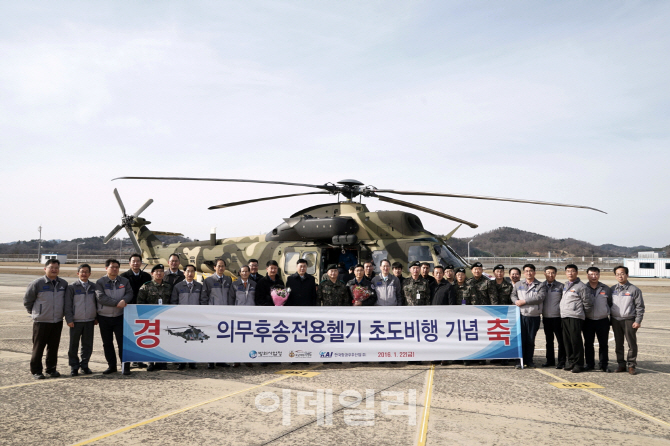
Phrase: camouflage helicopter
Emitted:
{"points": [[191, 333], [342, 232]]}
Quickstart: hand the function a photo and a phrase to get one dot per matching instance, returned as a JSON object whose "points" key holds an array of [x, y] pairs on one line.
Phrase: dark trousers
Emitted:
{"points": [[529, 327], [624, 329], [601, 329], [572, 338], [111, 327], [45, 334], [553, 327], [83, 331]]}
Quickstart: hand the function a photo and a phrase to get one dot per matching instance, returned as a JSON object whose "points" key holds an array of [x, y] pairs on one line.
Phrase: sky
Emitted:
{"points": [[556, 101]]}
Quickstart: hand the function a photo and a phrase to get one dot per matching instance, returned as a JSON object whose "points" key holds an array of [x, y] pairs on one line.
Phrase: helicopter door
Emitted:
{"points": [[291, 259], [422, 253]]}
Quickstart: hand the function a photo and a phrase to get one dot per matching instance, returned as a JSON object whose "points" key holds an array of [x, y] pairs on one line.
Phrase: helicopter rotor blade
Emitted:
{"points": [[112, 234], [317, 186], [131, 234], [143, 207], [118, 198], [424, 209], [238, 203], [481, 197]]}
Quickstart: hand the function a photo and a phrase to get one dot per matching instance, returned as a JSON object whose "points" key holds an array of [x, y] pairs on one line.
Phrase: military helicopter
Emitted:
{"points": [[191, 333], [342, 232]]}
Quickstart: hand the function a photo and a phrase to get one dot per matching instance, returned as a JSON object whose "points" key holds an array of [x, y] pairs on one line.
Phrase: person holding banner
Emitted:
{"points": [[215, 291], [156, 292], [575, 303], [529, 296], [187, 292], [266, 284]]}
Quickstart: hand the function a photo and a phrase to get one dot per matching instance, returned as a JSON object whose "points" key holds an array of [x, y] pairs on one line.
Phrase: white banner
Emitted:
{"points": [[194, 333]]}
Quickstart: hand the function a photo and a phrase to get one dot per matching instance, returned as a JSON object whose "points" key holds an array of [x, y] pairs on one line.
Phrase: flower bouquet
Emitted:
{"points": [[360, 293], [279, 296]]}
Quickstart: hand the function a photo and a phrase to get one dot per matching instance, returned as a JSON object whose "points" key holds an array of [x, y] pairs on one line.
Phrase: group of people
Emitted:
{"points": [[567, 311]]}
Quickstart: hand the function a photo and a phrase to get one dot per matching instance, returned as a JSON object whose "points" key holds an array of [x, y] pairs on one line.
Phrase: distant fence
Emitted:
{"points": [[540, 262]]}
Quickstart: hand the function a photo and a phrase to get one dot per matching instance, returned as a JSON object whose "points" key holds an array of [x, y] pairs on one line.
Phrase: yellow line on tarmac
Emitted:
{"points": [[612, 400], [423, 425], [184, 409]]}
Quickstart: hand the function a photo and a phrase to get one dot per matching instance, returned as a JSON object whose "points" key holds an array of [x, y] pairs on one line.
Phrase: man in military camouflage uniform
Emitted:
{"points": [[449, 274], [462, 289], [156, 292], [503, 287], [483, 290], [333, 292], [416, 290]]}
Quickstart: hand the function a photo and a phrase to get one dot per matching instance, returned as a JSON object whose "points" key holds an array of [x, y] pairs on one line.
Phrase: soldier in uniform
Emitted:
{"points": [[360, 280], [397, 271], [155, 292], [425, 273], [462, 289], [503, 287], [449, 274], [483, 290], [333, 292], [416, 290]]}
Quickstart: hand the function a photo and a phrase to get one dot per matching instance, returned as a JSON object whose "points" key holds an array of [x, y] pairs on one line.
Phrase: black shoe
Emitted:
{"points": [[74, 372], [211, 366], [110, 370], [141, 365], [39, 376], [222, 364], [560, 365], [151, 367], [588, 368], [86, 371], [53, 374], [568, 367], [549, 364], [577, 369], [181, 367], [192, 366], [605, 369], [125, 369], [530, 366], [126, 372]]}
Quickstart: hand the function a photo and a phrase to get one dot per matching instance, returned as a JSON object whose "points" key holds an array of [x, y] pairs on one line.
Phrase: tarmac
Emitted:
{"points": [[348, 404]]}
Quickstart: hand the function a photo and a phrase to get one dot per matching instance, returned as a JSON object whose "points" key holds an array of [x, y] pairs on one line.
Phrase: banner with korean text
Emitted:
{"points": [[194, 333]]}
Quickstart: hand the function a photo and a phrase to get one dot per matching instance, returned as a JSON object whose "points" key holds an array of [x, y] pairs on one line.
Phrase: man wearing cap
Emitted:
{"points": [[155, 292], [450, 275], [397, 271], [425, 273], [416, 291], [265, 285], [575, 302], [627, 313], [215, 291], [597, 322], [44, 300], [113, 293], [362, 281], [503, 287], [461, 288], [482, 290], [529, 296], [333, 292], [389, 290], [551, 319], [187, 292]]}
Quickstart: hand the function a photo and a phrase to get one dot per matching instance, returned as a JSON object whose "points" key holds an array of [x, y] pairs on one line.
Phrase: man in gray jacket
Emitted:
{"points": [[575, 302], [529, 296], [627, 313], [44, 300], [389, 290], [243, 290], [215, 290], [187, 292], [113, 293], [597, 322], [80, 316], [551, 319]]}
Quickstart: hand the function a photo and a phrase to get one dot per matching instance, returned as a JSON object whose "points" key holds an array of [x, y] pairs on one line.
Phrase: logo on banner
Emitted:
{"points": [[253, 354], [300, 354], [326, 354]]}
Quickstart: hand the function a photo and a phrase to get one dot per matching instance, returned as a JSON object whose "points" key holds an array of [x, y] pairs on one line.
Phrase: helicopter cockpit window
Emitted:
{"points": [[290, 258], [420, 253], [377, 257], [446, 257], [311, 261]]}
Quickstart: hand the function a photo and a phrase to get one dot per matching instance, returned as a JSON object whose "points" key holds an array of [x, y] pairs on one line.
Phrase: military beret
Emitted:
{"points": [[498, 267], [159, 266], [449, 267], [414, 263], [331, 266], [460, 270], [397, 265], [477, 264]]}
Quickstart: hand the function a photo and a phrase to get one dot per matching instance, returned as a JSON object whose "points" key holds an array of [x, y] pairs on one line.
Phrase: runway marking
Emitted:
{"points": [[569, 385], [185, 409], [423, 425], [302, 373], [612, 400]]}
